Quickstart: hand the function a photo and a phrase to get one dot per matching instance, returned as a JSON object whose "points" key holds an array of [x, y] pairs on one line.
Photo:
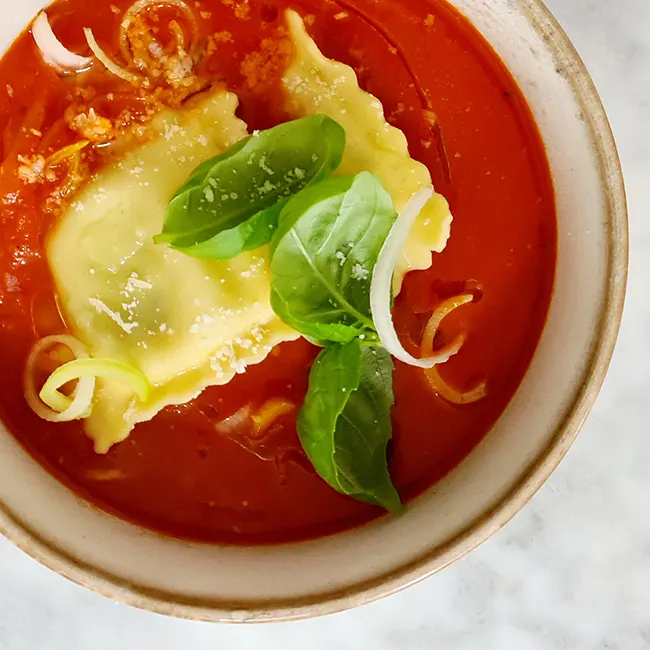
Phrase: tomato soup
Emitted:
{"points": [[192, 471]]}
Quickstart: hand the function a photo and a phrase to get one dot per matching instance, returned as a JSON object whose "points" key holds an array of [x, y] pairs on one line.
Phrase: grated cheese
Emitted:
{"points": [[33, 169], [359, 272], [92, 127], [114, 316]]}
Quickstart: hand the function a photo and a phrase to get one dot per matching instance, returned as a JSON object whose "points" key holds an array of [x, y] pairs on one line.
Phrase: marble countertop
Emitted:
{"points": [[571, 572]]}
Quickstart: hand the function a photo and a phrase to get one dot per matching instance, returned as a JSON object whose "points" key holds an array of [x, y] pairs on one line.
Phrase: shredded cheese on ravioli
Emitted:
{"points": [[184, 323], [316, 84]]}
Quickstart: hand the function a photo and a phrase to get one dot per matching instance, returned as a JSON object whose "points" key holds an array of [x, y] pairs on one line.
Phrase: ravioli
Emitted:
{"points": [[316, 84], [184, 322]]}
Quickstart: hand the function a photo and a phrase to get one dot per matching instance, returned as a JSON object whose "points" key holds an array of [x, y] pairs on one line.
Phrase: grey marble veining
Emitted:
{"points": [[571, 572]]}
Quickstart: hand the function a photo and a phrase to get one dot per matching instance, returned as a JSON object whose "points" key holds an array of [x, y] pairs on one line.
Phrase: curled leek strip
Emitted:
{"points": [[84, 368], [437, 383], [61, 408]]}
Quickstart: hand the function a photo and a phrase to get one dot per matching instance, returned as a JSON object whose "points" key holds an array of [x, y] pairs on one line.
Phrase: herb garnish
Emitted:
{"points": [[230, 203], [323, 255], [326, 235]]}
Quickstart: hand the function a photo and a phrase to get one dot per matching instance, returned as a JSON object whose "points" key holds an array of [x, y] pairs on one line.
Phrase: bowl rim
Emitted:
{"points": [[485, 525]]}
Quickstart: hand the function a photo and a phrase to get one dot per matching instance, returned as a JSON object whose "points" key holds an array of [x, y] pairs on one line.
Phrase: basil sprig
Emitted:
{"points": [[323, 255], [325, 235]]}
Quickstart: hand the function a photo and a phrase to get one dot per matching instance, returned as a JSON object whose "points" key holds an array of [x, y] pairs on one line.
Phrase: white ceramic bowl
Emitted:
{"points": [[312, 578]]}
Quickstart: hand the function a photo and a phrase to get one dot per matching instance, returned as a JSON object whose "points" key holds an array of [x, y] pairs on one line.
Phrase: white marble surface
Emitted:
{"points": [[571, 572]]}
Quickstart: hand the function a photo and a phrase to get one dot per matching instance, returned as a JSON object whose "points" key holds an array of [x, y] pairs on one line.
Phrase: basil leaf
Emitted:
{"points": [[344, 424], [253, 233], [220, 210], [323, 254]]}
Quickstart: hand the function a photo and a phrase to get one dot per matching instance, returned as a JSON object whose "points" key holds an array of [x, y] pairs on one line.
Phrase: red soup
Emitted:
{"points": [[183, 472]]}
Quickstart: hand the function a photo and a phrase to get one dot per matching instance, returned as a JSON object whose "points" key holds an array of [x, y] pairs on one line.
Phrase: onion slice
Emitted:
{"points": [[442, 388], [71, 151], [53, 52], [71, 155], [382, 283], [441, 311], [60, 407], [107, 62], [141, 5], [271, 410], [234, 422], [437, 383]]}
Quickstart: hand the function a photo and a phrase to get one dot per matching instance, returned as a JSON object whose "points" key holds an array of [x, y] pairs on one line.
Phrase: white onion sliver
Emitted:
{"points": [[83, 395], [233, 423], [107, 62], [382, 283], [53, 52]]}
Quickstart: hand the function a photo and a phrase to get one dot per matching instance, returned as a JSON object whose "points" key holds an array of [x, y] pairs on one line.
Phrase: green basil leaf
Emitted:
{"points": [[253, 233], [220, 210], [323, 255], [344, 424]]}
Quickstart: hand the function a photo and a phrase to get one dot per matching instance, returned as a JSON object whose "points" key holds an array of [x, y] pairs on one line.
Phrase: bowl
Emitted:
{"points": [[496, 480]]}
